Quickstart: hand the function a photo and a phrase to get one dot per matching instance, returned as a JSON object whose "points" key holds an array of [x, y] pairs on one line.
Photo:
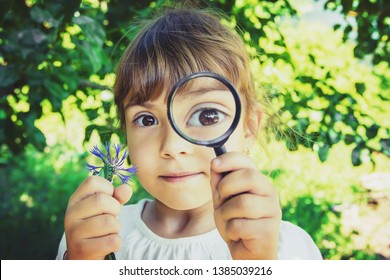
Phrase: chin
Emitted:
{"points": [[183, 204]]}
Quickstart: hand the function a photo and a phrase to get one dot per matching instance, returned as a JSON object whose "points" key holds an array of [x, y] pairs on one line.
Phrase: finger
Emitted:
{"points": [[95, 248], [253, 239], [123, 193], [245, 181], [232, 161], [222, 167], [215, 179], [242, 181], [248, 229], [93, 205], [91, 185], [97, 226], [248, 206]]}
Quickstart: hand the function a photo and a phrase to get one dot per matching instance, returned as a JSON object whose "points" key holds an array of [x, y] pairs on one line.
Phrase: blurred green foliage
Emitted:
{"points": [[50, 50], [35, 193], [57, 63], [36, 187], [324, 225], [372, 26]]}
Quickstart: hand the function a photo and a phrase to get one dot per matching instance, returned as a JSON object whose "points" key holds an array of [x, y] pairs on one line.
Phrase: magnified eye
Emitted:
{"points": [[206, 117], [145, 120]]}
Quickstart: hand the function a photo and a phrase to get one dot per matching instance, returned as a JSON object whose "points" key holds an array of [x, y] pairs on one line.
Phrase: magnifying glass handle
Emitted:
{"points": [[219, 150]]}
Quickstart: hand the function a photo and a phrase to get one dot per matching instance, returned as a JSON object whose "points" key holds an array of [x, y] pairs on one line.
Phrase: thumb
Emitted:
{"points": [[215, 178], [123, 193]]}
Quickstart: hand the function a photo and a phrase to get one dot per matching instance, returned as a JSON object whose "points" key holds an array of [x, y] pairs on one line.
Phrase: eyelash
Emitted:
{"points": [[139, 118], [197, 113]]}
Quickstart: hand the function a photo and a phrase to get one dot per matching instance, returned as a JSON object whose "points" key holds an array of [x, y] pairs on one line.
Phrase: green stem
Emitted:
{"points": [[110, 257], [108, 171]]}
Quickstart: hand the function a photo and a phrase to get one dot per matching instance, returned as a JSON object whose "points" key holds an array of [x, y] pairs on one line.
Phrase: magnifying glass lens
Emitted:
{"points": [[203, 109]]}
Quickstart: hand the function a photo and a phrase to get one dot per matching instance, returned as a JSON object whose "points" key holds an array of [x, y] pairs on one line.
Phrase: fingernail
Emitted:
{"points": [[217, 162]]}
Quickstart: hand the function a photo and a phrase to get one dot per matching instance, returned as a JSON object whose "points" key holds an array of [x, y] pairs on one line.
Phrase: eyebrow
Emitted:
{"points": [[206, 90], [146, 104], [197, 92], [203, 90]]}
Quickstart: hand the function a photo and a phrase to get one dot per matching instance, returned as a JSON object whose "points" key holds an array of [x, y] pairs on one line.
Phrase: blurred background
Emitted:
{"points": [[324, 66]]}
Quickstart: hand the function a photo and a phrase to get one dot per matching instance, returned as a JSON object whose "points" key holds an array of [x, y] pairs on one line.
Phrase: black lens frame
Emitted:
{"points": [[216, 143]]}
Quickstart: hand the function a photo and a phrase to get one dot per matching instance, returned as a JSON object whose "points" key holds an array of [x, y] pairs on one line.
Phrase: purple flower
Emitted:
{"points": [[112, 164]]}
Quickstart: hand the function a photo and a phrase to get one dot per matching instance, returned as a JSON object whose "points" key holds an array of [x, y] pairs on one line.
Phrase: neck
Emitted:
{"points": [[171, 223]]}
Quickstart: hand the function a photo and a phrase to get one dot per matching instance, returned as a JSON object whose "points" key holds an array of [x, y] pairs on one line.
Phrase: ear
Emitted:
{"points": [[252, 128]]}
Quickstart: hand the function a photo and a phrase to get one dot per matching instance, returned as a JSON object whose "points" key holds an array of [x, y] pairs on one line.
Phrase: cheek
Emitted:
{"points": [[143, 159], [236, 141], [136, 157], [139, 149]]}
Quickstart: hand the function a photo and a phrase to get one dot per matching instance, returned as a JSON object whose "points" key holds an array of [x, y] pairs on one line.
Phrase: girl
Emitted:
{"points": [[203, 207]]}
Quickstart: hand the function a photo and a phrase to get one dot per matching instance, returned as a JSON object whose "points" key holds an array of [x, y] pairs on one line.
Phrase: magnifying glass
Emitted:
{"points": [[204, 108]]}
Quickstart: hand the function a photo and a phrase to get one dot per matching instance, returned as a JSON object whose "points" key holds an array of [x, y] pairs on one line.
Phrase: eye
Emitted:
{"points": [[145, 120], [206, 117]]}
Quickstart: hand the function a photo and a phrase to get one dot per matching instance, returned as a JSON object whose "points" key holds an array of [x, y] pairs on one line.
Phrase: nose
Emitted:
{"points": [[172, 145]]}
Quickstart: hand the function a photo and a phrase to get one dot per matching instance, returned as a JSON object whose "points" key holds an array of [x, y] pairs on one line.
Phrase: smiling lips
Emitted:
{"points": [[179, 177]]}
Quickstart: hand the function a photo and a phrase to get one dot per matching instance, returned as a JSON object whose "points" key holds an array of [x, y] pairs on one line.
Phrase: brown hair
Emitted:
{"points": [[176, 44]]}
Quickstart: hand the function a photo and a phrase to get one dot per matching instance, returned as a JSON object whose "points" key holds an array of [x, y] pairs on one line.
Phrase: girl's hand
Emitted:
{"points": [[91, 220], [246, 207]]}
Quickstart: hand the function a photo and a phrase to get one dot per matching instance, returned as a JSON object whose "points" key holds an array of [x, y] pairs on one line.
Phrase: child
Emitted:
{"points": [[196, 213]]}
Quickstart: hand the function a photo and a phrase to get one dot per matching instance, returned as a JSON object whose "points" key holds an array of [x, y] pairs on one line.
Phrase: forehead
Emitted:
{"points": [[162, 90], [198, 86]]}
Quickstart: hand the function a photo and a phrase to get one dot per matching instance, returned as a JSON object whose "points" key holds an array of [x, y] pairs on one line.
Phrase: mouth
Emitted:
{"points": [[179, 177]]}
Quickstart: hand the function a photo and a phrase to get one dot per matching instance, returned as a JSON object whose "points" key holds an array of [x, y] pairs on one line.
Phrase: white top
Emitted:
{"points": [[140, 243]]}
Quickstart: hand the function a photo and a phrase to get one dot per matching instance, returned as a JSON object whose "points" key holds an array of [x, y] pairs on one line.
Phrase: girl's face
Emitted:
{"points": [[172, 170]]}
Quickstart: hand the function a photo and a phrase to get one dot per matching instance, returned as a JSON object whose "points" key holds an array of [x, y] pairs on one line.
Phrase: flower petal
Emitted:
{"points": [[96, 152], [117, 149], [122, 160], [124, 178], [131, 170], [112, 162], [94, 169], [108, 156]]}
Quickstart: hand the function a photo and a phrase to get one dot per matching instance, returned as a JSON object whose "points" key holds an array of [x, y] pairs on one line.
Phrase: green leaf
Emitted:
{"points": [[2, 130], [372, 131], [104, 134], [323, 152], [360, 88], [355, 156], [349, 139], [94, 55], [88, 131], [333, 136], [41, 16], [351, 120], [92, 114], [56, 89], [63, 9], [38, 139], [8, 75], [68, 76], [385, 146], [58, 94], [32, 42], [292, 143], [32, 37], [307, 79], [3, 114], [93, 32]]}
